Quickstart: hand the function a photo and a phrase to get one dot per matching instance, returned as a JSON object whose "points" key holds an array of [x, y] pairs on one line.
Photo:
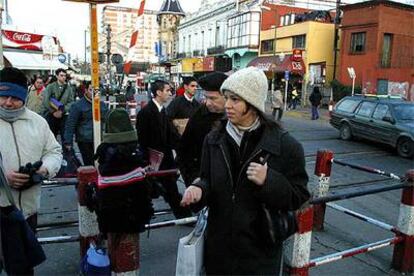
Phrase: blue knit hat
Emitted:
{"points": [[13, 83]]}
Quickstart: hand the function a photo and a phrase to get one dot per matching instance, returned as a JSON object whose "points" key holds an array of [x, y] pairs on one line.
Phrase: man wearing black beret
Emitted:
{"points": [[199, 125]]}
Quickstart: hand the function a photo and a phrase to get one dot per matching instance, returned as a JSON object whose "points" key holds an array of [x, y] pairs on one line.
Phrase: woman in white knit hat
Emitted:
{"points": [[250, 168]]}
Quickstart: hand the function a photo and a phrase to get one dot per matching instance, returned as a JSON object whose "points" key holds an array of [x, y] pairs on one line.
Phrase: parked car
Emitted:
{"points": [[385, 120]]}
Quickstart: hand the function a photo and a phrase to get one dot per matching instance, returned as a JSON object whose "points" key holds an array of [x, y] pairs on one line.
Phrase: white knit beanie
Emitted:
{"points": [[250, 84]]}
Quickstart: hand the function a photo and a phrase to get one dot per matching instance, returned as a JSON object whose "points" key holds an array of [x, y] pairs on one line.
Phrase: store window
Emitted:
{"points": [[267, 46], [358, 43], [386, 51], [299, 42]]}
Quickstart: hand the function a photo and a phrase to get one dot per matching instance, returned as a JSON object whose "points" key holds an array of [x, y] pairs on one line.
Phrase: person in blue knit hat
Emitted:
{"points": [[25, 138]]}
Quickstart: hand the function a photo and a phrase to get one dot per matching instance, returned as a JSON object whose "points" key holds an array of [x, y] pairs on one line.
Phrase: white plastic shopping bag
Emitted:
{"points": [[191, 249]]}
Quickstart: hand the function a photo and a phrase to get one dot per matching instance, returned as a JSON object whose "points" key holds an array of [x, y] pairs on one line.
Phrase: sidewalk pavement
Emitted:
{"points": [[305, 112], [302, 112]]}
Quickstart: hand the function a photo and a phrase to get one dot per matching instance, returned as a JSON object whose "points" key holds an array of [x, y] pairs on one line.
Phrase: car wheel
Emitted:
{"points": [[345, 132], [405, 147]]}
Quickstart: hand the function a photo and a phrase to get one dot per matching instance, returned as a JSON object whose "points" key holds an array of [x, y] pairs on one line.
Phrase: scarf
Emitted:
{"points": [[11, 115], [236, 132]]}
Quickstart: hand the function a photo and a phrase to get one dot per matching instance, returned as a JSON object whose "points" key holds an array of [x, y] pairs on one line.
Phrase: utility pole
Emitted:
{"points": [[337, 21], [1, 33], [108, 51]]}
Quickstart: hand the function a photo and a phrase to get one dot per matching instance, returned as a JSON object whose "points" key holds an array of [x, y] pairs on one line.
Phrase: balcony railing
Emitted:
{"points": [[215, 50], [181, 55], [198, 53]]}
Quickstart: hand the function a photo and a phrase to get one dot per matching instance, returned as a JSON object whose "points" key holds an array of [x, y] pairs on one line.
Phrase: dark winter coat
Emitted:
{"points": [[124, 209], [80, 121], [315, 98], [236, 241], [181, 108], [189, 150], [156, 131]]}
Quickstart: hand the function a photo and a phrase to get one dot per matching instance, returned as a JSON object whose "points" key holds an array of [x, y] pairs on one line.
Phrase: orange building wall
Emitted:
{"points": [[375, 21]]}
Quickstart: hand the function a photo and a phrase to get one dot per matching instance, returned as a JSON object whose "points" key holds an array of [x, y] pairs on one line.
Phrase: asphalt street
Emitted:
{"points": [[158, 247]]}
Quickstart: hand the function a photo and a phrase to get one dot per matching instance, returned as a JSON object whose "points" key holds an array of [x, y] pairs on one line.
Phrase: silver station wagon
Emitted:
{"points": [[381, 119]]}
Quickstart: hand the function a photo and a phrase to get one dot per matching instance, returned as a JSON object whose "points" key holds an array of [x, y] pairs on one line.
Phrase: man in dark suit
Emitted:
{"points": [[155, 131], [200, 123]]}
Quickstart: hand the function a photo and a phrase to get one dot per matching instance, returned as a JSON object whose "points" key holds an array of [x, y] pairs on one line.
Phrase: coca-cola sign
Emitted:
{"points": [[22, 40], [22, 37]]}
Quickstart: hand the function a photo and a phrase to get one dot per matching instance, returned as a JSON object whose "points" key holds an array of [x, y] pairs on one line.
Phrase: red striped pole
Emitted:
{"points": [[323, 169], [134, 38], [298, 248], [124, 253], [403, 256], [88, 223]]}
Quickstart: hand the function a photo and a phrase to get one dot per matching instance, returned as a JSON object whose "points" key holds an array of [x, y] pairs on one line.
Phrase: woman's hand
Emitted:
{"points": [[257, 173], [191, 195]]}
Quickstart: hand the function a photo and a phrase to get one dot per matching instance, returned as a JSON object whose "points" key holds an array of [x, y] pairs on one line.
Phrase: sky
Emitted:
{"points": [[69, 20]]}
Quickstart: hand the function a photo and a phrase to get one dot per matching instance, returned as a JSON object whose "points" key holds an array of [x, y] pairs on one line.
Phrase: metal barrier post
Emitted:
{"points": [[88, 224], [297, 250], [124, 253], [403, 256], [323, 169]]}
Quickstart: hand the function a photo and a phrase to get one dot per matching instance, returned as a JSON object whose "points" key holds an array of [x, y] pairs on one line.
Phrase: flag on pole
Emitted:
{"points": [[134, 38]]}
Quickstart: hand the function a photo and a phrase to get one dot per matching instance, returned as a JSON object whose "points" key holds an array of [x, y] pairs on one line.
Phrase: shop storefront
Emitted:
{"points": [[276, 66], [25, 51]]}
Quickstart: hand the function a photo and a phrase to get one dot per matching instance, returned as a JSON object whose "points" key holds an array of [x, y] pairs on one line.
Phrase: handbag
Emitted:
{"points": [[279, 225], [21, 249], [190, 253], [95, 262]]}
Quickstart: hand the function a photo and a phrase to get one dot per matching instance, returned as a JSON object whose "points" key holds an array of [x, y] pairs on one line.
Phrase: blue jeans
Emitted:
{"points": [[315, 113]]}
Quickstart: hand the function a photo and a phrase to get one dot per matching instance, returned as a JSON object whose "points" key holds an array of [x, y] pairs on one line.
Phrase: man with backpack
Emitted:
{"points": [[57, 99]]}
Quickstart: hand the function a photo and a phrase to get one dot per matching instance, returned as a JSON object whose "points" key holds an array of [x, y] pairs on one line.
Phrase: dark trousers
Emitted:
{"points": [[279, 112], [173, 197], [56, 125], [315, 112], [32, 221], [87, 152]]}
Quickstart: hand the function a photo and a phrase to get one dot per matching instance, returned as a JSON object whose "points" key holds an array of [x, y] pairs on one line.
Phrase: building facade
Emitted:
{"points": [[202, 39], [122, 22], [377, 41], [169, 17], [302, 44]]}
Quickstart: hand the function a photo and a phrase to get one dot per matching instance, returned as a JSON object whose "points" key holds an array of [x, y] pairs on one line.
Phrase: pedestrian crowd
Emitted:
{"points": [[234, 159]]}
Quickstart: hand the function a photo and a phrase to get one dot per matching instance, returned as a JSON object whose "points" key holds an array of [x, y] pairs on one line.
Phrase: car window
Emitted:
{"points": [[404, 112], [347, 106], [366, 108], [381, 111]]}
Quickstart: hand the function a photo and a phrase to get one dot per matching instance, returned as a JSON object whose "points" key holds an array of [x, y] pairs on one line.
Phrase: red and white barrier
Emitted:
{"points": [[124, 253], [323, 170], [88, 224], [403, 256], [297, 249]]}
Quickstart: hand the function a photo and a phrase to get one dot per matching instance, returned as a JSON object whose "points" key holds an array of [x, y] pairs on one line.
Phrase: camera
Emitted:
{"points": [[35, 178]]}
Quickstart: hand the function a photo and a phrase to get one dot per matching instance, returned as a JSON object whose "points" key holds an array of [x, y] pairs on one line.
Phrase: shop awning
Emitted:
{"points": [[277, 64], [31, 61]]}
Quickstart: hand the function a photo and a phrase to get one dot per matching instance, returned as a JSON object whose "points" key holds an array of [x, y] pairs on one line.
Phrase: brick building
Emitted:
{"points": [[377, 41]]}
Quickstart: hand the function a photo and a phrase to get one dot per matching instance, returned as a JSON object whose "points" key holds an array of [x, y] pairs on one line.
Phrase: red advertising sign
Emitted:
{"points": [[21, 40], [297, 55], [208, 65]]}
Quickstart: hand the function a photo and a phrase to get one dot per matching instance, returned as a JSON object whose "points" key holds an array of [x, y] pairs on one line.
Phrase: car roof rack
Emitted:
{"points": [[381, 97]]}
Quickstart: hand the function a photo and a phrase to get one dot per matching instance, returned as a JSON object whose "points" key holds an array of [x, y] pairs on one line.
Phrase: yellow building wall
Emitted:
{"points": [[318, 48]]}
